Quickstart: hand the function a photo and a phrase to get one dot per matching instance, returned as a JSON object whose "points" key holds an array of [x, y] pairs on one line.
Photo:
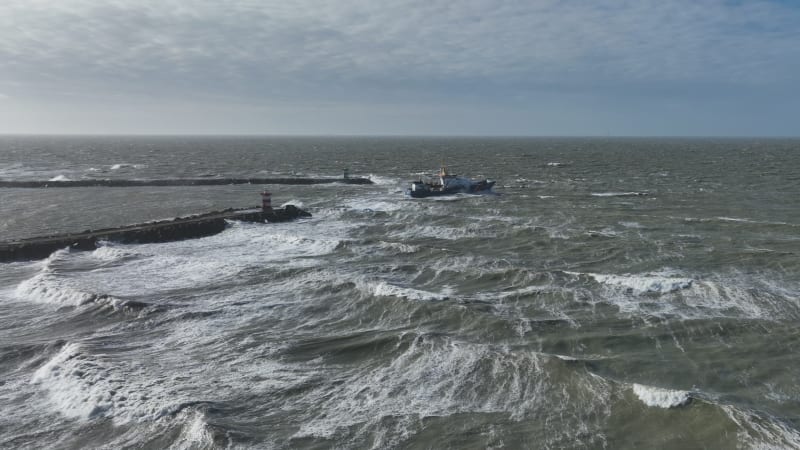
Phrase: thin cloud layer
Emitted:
{"points": [[328, 50]]}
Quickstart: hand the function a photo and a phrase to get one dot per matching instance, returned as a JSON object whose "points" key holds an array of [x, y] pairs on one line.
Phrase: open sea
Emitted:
{"points": [[612, 293]]}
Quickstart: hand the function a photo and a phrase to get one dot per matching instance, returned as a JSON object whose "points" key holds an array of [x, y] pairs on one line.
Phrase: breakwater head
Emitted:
{"points": [[177, 182], [180, 228]]}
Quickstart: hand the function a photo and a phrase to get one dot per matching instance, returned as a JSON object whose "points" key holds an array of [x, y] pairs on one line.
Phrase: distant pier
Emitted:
{"points": [[195, 226], [108, 182]]}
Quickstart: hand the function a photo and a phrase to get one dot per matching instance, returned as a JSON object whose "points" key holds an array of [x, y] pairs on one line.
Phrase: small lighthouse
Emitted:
{"points": [[266, 202]]}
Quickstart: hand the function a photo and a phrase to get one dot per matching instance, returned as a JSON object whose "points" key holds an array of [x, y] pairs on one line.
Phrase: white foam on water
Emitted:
{"points": [[193, 264], [731, 295], [194, 433], [293, 202], [631, 224], [384, 181], [110, 253], [437, 377], [78, 386], [367, 204], [425, 382], [762, 432], [81, 382], [555, 164], [54, 257], [441, 232], [645, 283], [84, 386], [398, 247], [511, 293], [458, 263], [605, 232], [386, 289], [59, 178], [119, 166], [618, 194], [659, 397], [445, 198], [48, 288], [750, 297], [736, 219], [189, 264]]}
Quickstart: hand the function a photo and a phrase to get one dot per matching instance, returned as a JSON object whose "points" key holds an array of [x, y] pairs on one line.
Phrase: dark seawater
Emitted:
{"points": [[619, 293]]}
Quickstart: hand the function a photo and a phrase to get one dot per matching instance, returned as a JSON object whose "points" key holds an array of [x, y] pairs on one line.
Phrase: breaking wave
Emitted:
{"points": [[644, 284], [661, 398]]}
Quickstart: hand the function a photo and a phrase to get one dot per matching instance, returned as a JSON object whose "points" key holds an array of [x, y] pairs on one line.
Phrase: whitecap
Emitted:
{"points": [[367, 204], [646, 283], [762, 432], [385, 289], [59, 178], [84, 386], [437, 377], [631, 224], [293, 202], [618, 194], [383, 181], [661, 398], [399, 247], [46, 288], [195, 433], [75, 384], [109, 253], [125, 165]]}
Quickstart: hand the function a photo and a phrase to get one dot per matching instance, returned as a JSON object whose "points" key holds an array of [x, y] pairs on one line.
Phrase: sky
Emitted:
{"points": [[401, 67]]}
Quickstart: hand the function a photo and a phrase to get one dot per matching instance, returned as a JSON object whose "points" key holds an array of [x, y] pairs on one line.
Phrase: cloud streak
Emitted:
{"points": [[411, 39], [328, 50]]}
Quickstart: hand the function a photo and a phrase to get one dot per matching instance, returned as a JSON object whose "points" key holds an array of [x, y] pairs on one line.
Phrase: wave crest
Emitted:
{"points": [[661, 398]]}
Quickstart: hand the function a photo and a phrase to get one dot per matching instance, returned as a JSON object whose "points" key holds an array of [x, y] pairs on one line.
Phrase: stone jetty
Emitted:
{"points": [[195, 226]]}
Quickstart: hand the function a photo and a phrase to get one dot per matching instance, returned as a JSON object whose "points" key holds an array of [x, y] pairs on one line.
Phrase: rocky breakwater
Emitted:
{"points": [[161, 231], [174, 182]]}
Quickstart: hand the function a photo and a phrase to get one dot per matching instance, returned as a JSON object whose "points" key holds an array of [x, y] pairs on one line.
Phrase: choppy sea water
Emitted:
{"points": [[617, 293]]}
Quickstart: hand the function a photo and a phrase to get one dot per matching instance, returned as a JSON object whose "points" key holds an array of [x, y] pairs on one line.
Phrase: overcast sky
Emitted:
{"points": [[419, 67]]}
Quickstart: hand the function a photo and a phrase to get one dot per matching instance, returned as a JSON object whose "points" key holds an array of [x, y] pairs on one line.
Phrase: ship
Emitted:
{"points": [[445, 183]]}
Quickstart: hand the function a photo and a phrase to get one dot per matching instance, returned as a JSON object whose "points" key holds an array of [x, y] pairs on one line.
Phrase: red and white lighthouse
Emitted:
{"points": [[266, 202]]}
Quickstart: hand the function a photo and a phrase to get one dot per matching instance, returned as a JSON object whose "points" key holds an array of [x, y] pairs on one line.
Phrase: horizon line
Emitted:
{"points": [[379, 135]]}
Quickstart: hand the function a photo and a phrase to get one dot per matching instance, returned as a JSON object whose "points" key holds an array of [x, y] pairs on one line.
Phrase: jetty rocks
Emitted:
{"points": [[180, 228], [108, 182]]}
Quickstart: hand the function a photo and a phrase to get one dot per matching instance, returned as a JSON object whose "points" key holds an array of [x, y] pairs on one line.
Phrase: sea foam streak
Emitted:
{"points": [[384, 289], [647, 283], [77, 385], [618, 194], [437, 377], [730, 295]]}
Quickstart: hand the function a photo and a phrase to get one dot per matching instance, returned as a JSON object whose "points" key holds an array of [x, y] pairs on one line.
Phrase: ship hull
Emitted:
{"points": [[424, 190]]}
